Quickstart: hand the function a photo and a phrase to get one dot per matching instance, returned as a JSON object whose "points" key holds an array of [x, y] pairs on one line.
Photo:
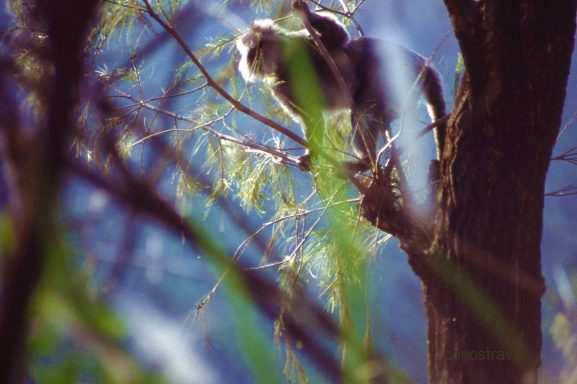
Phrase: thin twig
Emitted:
{"points": [[281, 156]]}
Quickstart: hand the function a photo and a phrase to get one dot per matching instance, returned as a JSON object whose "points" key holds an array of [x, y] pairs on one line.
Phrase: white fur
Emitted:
{"points": [[247, 40]]}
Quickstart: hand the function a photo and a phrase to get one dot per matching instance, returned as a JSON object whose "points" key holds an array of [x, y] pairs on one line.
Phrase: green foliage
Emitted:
{"points": [[7, 237], [75, 336], [114, 17], [257, 179], [565, 338], [459, 73]]}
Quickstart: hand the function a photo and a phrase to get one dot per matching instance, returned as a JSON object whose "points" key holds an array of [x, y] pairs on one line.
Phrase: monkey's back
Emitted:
{"points": [[377, 74], [386, 73]]}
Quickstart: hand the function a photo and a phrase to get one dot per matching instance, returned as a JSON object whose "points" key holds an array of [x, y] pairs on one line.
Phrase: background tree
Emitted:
{"points": [[125, 150]]}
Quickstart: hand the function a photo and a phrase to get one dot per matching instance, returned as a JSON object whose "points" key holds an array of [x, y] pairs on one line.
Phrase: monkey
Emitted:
{"points": [[363, 82]]}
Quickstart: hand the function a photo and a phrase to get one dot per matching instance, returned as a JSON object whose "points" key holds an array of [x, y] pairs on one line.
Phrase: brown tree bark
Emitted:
{"points": [[483, 290], [478, 255]]}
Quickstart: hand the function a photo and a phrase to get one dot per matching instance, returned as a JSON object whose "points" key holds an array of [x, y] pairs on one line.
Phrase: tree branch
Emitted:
{"points": [[220, 90]]}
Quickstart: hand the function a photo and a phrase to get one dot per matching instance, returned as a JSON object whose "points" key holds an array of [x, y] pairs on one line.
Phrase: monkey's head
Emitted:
{"points": [[260, 50]]}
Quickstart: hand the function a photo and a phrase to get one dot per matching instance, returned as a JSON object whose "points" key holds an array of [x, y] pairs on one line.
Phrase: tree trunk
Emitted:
{"points": [[483, 280]]}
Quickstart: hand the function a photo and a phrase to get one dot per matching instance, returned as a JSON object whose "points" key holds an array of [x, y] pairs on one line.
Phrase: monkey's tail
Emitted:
{"points": [[433, 92]]}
